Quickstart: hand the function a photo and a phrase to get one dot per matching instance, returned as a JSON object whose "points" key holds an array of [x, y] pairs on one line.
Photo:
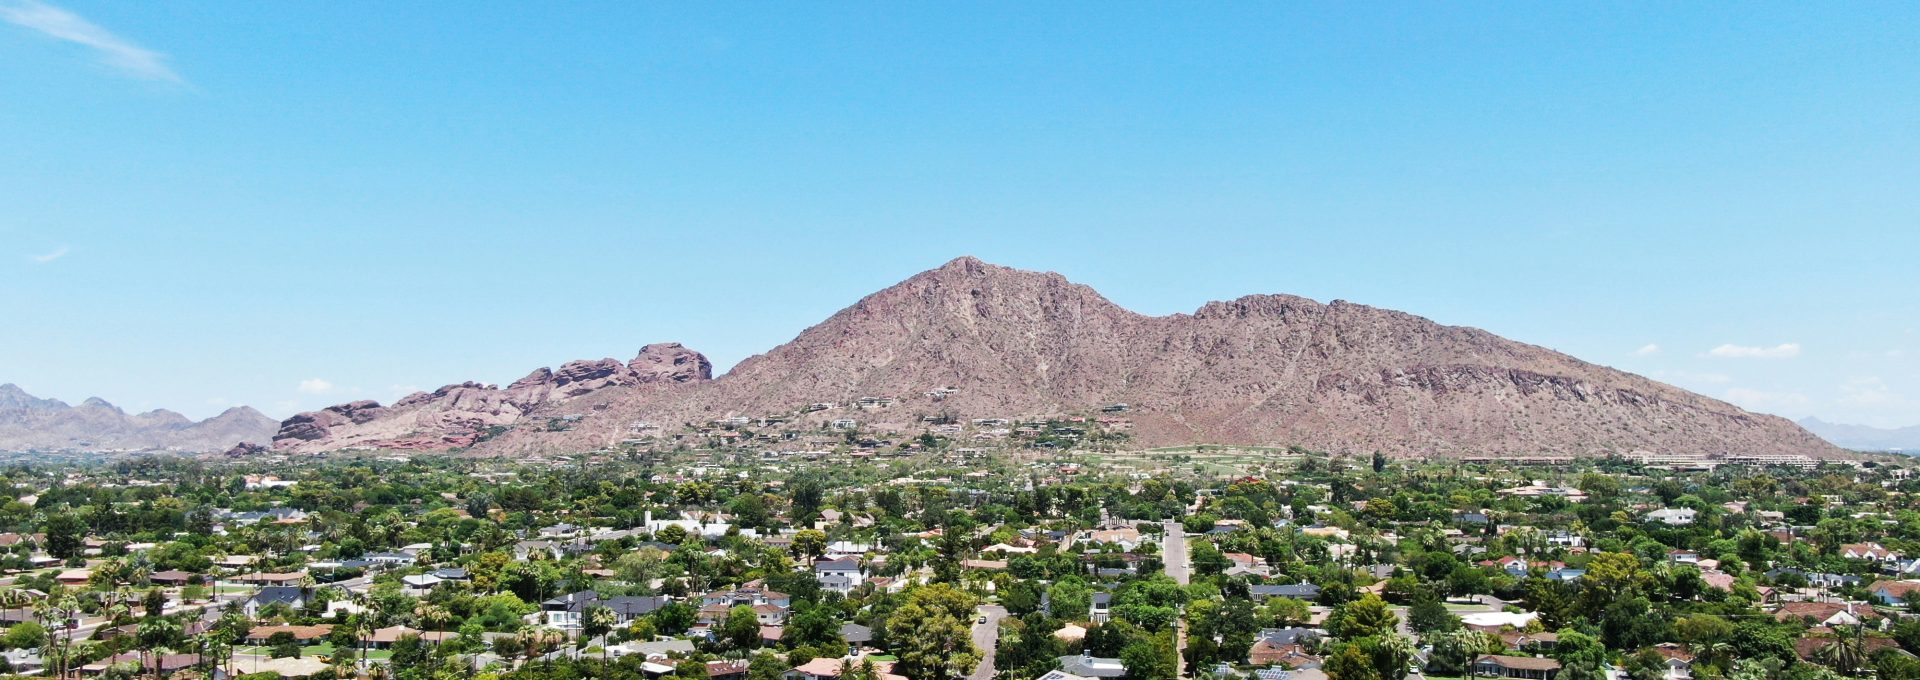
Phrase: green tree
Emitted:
{"points": [[930, 634], [1428, 615], [1365, 617], [66, 535], [1151, 658], [1349, 662], [1070, 599], [809, 543], [742, 628], [283, 645]]}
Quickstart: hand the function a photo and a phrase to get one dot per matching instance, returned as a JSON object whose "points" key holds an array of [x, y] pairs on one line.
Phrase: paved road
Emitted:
{"points": [[1173, 551], [985, 637]]}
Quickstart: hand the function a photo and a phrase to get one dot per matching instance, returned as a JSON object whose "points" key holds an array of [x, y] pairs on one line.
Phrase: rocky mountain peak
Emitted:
{"points": [[671, 362]]}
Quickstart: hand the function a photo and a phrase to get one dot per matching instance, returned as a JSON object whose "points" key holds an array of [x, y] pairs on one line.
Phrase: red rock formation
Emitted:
{"points": [[459, 415]]}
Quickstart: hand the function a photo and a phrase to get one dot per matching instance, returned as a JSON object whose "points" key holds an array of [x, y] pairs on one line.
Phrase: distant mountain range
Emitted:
{"points": [[975, 340], [29, 423], [1865, 437]]}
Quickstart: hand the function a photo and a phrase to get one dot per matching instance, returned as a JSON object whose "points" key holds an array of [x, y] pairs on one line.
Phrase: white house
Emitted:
{"points": [[1677, 517], [840, 576]]}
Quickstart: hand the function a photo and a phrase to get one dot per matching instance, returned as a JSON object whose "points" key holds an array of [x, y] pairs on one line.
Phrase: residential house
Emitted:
{"points": [[1101, 609], [291, 596], [1677, 517], [751, 596], [1829, 614], [1892, 592], [1088, 666], [840, 576], [1299, 591], [1872, 552], [568, 612], [827, 668], [418, 585], [1524, 667], [1565, 574]]}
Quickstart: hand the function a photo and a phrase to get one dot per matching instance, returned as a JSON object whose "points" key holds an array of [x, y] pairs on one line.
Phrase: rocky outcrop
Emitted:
{"points": [[463, 414], [247, 449], [28, 423], [670, 362]]}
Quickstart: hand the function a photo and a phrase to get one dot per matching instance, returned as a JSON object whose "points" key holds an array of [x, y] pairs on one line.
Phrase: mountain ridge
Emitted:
{"points": [[29, 423], [993, 341], [1865, 437]]}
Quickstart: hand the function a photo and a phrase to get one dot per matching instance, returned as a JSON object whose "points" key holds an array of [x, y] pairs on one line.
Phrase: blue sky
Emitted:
{"points": [[295, 204]]}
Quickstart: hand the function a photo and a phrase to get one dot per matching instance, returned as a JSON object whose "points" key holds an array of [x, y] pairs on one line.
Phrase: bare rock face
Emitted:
{"points": [[670, 362], [463, 414], [975, 340], [246, 449], [28, 423]]}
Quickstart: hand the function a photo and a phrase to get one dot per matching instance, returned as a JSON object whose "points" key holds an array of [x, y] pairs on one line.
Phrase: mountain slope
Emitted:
{"points": [[1865, 437], [28, 423], [462, 414], [974, 340]]}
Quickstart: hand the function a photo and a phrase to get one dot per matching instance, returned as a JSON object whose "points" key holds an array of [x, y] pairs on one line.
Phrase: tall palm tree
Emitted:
{"points": [[154, 634], [1402, 651], [429, 615], [1845, 655], [602, 620], [54, 616]]}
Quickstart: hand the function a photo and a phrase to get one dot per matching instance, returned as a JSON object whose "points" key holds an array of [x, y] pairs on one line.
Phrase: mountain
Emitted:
{"points": [[975, 340], [1865, 437], [464, 414], [29, 423]]}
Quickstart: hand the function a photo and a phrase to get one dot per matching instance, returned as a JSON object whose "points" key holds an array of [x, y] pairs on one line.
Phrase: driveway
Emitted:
{"points": [[985, 637]]}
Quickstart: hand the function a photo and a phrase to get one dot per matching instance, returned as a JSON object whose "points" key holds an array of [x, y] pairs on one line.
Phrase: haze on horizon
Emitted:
{"points": [[291, 206]]}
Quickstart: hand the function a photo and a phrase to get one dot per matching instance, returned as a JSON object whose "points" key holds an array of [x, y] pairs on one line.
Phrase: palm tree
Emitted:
{"points": [[54, 616], [1845, 655], [1720, 652], [1402, 651], [154, 634], [600, 621]]}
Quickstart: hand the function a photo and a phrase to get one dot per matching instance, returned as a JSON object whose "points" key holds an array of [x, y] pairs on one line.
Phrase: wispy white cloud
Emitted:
{"points": [[113, 50], [315, 386], [1868, 392], [1647, 350], [1693, 377], [1786, 350], [1762, 400], [56, 254]]}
